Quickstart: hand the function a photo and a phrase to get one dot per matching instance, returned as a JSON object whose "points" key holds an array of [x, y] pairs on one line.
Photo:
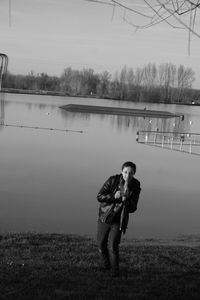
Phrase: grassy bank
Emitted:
{"points": [[57, 266]]}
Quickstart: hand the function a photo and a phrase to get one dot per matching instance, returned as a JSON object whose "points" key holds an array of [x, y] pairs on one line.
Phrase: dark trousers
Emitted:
{"points": [[108, 239]]}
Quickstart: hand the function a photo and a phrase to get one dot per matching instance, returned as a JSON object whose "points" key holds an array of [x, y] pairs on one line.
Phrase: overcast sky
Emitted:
{"points": [[50, 35]]}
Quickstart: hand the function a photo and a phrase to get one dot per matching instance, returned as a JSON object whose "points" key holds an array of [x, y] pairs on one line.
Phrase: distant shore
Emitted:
{"points": [[62, 94], [60, 266], [42, 93]]}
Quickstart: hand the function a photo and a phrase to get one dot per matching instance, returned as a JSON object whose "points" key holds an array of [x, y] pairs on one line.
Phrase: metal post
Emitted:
{"points": [[155, 135], [190, 149], [163, 141], [181, 144], [3, 70], [182, 139], [168, 140], [3, 67], [171, 143], [146, 138]]}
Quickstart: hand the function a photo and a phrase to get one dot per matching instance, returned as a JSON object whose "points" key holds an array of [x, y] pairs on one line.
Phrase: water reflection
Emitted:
{"points": [[42, 103], [63, 172], [133, 122], [28, 104]]}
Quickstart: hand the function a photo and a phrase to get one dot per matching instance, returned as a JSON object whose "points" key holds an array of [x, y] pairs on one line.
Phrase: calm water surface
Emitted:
{"points": [[49, 179]]}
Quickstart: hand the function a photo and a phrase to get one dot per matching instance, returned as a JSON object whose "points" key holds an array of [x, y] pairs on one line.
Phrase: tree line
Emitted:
{"points": [[164, 83]]}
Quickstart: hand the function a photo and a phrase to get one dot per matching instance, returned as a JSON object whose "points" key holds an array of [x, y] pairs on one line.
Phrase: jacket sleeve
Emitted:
{"points": [[132, 200], [105, 194]]}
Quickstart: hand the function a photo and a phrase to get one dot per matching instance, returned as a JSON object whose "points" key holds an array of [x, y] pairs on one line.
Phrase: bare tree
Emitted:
{"points": [[103, 84], [181, 14], [130, 83], [150, 75], [123, 83], [138, 83], [185, 78], [168, 72]]}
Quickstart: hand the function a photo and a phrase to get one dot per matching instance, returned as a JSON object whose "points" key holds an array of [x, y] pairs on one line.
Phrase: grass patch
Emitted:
{"points": [[59, 266]]}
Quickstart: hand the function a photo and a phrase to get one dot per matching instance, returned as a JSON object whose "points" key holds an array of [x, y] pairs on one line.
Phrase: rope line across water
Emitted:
{"points": [[42, 128]]}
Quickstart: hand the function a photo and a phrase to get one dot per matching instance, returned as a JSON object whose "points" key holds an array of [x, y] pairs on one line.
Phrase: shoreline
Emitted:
{"points": [[61, 94]]}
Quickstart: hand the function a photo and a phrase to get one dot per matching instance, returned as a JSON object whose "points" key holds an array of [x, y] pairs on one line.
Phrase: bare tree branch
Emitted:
{"points": [[179, 14]]}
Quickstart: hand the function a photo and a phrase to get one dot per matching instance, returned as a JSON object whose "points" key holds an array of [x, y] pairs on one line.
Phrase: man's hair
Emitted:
{"points": [[129, 164]]}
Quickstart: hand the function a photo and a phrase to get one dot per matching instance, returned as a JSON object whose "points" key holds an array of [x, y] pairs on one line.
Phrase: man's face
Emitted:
{"points": [[127, 173]]}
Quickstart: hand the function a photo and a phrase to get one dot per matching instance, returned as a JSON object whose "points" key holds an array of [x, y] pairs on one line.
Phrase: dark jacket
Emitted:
{"points": [[110, 207]]}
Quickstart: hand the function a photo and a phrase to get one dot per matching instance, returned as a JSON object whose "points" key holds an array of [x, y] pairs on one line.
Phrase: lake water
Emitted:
{"points": [[49, 179]]}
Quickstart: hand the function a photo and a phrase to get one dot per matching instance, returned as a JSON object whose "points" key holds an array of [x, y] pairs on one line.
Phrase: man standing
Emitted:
{"points": [[118, 197]]}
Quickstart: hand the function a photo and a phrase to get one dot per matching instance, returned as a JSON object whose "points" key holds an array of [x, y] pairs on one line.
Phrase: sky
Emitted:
{"points": [[51, 35]]}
